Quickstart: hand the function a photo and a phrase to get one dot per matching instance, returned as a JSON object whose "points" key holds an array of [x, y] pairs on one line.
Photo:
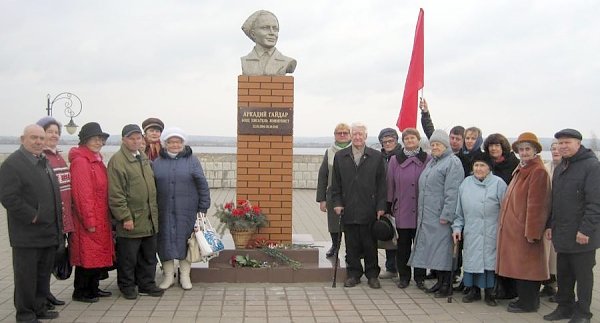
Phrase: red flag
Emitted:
{"points": [[414, 81]]}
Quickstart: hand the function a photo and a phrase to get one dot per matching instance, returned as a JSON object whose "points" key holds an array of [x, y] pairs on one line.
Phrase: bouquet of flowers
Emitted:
{"points": [[240, 216]]}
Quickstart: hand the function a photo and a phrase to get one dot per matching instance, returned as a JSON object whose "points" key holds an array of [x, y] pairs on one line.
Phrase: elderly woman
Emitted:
{"points": [[342, 140], [504, 160], [471, 148], [153, 128], [438, 195], [525, 209], [91, 245], [61, 170], [182, 192], [549, 288], [403, 172], [479, 199]]}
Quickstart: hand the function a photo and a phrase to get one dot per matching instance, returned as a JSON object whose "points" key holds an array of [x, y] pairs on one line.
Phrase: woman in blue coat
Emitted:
{"points": [[479, 199], [182, 192]]}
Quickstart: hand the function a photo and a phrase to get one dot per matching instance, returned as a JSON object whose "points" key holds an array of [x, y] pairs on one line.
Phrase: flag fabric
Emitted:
{"points": [[414, 80]]}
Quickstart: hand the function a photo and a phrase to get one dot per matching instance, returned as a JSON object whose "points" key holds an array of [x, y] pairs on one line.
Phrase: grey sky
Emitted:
{"points": [[505, 66]]}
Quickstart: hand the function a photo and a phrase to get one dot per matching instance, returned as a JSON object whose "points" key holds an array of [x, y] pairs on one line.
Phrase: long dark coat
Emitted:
{"points": [[576, 202], [182, 192], [523, 216]]}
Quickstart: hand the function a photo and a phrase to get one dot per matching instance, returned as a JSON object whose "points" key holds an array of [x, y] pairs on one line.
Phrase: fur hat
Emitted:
{"points": [[130, 129], [387, 132], [529, 137], [47, 121], [89, 130], [382, 229], [411, 131], [173, 132], [153, 123], [484, 158], [568, 133], [440, 136]]}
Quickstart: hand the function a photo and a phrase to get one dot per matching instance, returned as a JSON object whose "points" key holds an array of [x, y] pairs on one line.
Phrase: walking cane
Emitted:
{"points": [[454, 265], [337, 251]]}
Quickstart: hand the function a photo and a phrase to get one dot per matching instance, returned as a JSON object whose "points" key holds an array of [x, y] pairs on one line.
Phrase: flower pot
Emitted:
{"points": [[241, 237]]}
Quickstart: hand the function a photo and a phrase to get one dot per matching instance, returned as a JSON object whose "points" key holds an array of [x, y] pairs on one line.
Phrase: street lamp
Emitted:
{"points": [[72, 108]]}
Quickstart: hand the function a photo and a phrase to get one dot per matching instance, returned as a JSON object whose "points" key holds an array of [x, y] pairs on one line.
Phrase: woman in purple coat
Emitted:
{"points": [[403, 174]]}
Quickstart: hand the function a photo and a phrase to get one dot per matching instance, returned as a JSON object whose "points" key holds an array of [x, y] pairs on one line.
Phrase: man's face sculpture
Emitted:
{"points": [[266, 31]]}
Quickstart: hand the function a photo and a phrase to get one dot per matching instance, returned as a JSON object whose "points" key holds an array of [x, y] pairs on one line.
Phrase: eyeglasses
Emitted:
{"points": [[388, 142], [342, 133]]}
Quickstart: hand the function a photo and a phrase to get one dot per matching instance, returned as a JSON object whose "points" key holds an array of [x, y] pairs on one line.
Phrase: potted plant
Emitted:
{"points": [[241, 218]]}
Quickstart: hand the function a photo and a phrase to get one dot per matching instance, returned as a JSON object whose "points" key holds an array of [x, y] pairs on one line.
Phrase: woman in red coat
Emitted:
{"points": [[91, 245], [525, 209]]}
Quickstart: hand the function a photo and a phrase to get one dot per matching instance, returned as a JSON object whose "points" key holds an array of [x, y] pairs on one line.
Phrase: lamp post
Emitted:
{"points": [[73, 107]]}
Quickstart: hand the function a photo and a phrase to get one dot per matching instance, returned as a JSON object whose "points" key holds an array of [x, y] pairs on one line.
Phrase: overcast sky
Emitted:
{"points": [[505, 66]]}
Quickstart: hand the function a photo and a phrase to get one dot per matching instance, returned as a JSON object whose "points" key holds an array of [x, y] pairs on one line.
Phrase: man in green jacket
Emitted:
{"points": [[132, 199]]}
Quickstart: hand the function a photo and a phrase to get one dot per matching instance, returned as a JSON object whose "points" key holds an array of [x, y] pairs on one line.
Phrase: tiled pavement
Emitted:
{"points": [[312, 302]]}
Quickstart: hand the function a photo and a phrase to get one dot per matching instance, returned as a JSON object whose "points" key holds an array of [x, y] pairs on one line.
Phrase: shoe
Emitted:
{"points": [[351, 282], [473, 295], [558, 314], [459, 288], [433, 288], [153, 291], [50, 306], [421, 285], [388, 275], [129, 294], [431, 275], [443, 292], [374, 283], [489, 297], [52, 299], [514, 307], [403, 283], [579, 320], [103, 293], [548, 290], [47, 315], [84, 299], [466, 290], [331, 252]]}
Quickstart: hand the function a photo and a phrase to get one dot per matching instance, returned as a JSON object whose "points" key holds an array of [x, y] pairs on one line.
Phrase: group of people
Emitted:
{"points": [[520, 223], [144, 202]]}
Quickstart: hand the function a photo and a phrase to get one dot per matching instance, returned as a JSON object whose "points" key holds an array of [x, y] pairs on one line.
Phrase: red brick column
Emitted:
{"points": [[264, 162]]}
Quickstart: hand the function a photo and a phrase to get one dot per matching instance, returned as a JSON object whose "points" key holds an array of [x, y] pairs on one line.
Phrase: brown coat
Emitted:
{"points": [[525, 209]]}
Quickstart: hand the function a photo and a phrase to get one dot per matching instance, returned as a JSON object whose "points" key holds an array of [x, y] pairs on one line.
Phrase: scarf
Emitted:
{"points": [[337, 146], [153, 150]]}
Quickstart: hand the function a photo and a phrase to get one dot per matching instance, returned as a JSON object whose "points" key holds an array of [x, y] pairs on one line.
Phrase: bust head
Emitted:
{"points": [[263, 28]]}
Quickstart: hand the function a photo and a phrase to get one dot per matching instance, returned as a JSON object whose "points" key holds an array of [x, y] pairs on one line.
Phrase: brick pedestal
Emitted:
{"points": [[264, 161]]}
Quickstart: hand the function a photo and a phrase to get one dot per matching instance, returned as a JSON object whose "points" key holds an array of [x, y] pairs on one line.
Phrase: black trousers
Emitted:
{"points": [[360, 241], [136, 263], [406, 238], [86, 282], [31, 267], [529, 294], [574, 268]]}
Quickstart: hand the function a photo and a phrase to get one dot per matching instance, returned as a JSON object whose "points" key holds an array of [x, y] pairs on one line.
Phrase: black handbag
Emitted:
{"points": [[62, 265]]}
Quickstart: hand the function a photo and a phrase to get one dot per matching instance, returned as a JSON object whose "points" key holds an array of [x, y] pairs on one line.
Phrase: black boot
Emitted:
{"points": [[489, 299], [446, 285], [335, 239], [436, 287], [473, 295]]}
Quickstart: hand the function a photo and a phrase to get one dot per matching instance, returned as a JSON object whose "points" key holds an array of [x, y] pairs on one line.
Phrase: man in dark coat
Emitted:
{"points": [[359, 192], [574, 226], [29, 192]]}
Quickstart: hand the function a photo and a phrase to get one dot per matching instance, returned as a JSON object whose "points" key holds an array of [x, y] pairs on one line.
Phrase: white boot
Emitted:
{"points": [[184, 274], [169, 271]]}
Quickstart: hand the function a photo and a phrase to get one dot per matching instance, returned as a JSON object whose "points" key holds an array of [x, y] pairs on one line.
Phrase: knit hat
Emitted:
{"points": [[484, 158], [440, 136], [387, 132], [566, 133], [89, 130], [530, 138], [47, 121], [153, 123], [411, 131], [130, 129], [172, 132]]}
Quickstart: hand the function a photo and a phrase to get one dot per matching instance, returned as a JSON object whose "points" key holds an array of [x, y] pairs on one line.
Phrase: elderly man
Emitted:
{"points": [[359, 192], [574, 226], [132, 200], [29, 192], [262, 27]]}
